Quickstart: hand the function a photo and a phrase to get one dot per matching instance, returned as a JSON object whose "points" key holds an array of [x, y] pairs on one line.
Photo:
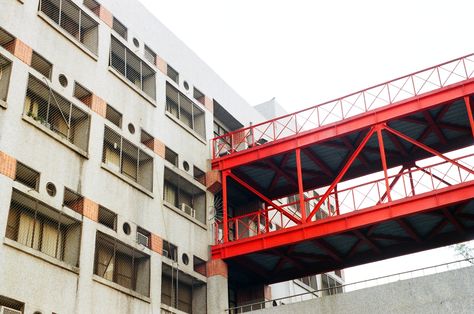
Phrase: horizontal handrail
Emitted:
{"points": [[380, 95]]}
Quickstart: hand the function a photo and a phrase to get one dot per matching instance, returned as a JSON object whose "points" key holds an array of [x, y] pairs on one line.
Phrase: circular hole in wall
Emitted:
{"points": [[63, 80], [126, 228], [185, 258], [50, 189], [136, 42], [131, 128], [186, 165], [186, 85]]}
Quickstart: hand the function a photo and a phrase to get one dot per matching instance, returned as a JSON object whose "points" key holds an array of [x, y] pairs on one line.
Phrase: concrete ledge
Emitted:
{"points": [[77, 43], [133, 87], [54, 135], [180, 212], [118, 287], [187, 128], [38, 254], [128, 180]]}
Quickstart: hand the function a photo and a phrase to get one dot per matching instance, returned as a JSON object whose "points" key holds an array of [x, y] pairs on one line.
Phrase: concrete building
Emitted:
{"points": [[106, 192]]}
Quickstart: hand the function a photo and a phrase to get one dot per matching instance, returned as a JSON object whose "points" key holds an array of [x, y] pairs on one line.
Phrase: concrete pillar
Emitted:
{"points": [[217, 287]]}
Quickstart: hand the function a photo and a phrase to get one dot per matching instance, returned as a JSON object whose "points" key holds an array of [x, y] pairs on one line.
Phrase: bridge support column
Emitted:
{"points": [[217, 287]]}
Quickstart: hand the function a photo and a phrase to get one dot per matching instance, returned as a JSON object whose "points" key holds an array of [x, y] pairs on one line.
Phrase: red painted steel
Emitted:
{"points": [[390, 194], [402, 89]]}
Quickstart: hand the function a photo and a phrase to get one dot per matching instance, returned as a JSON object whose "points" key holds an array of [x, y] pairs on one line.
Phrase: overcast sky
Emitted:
{"points": [[307, 52]]}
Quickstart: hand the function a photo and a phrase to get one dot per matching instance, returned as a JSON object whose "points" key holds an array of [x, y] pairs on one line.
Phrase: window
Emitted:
{"points": [[57, 114], [184, 196], [5, 71], [199, 265], [310, 281], [199, 175], [107, 218], [73, 20], [171, 156], [185, 110], [41, 65], [170, 251], [73, 200], [42, 228], [119, 28], [27, 176], [120, 263], [150, 55], [113, 116], [219, 130], [132, 68], [146, 139], [93, 6], [83, 94], [172, 74], [123, 157], [181, 291], [11, 304], [330, 285], [198, 95]]}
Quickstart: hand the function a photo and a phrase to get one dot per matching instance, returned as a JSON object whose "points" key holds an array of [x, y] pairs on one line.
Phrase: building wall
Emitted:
{"points": [[46, 284]]}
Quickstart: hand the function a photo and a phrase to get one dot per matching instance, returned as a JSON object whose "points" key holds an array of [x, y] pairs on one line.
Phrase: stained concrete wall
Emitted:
{"points": [[448, 292]]}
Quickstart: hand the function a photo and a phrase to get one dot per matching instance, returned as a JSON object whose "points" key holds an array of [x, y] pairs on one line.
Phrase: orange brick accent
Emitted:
{"points": [[86, 207], [91, 210], [213, 181], [209, 103], [98, 105], [20, 50], [7, 165], [106, 16], [159, 148], [161, 65], [156, 244], [216, 267]]}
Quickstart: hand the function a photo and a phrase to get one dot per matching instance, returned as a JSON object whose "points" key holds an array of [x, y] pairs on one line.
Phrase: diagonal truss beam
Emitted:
{"points": [[470, 110], [341, 173], [263, 197]]}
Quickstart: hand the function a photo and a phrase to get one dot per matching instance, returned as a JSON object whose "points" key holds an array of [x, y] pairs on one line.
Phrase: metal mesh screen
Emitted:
{"points": [[119, 263], [5, 72], [56, 114], [121, 156], [43, 228], [132, 67], [185, 110], [73, 20]]}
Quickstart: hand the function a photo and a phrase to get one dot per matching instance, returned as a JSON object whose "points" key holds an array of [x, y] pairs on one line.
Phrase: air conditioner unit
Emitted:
{"points": [[166, 253], [143, 239], [188, 210], [7, 310]]}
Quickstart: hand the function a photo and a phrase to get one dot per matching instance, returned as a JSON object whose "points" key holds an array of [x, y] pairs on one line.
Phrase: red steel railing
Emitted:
{"points": [[406, 183], [381, 95]]}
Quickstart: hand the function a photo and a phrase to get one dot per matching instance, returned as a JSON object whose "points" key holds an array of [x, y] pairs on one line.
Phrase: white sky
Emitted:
{"points": [[307, 52]]}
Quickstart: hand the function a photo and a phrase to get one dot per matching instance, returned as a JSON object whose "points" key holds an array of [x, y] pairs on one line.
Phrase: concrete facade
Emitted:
{"points": [[36, 281], [447, 292]]}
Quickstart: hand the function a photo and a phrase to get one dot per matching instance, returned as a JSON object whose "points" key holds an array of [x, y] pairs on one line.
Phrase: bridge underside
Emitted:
{"points": [[400, 235]]}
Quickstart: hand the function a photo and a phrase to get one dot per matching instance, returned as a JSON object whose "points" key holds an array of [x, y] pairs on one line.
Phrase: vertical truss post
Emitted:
{"points": [[412, 186], [467, 100], [267, 221], [336, 198], [384, 161], [225, 228], [300, 184]]}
